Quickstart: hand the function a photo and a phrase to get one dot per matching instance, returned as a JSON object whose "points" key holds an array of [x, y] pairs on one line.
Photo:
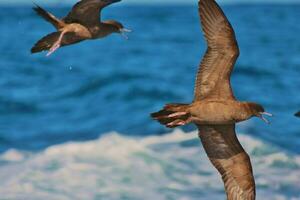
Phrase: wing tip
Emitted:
{"points": [[214, 21], [33, 50], [110, 1], [36, 6], [38, 9], [205, 2], [210, 6], [36, 49], [115, 1]]}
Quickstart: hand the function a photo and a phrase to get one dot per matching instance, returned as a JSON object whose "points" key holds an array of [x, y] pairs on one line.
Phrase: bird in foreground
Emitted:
{"points": [[82, 23], [215, 110], [297, 114]]}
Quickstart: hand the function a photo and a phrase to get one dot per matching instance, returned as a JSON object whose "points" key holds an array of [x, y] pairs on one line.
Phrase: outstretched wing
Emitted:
{"points": [[87, 12], [213, 78], [47, 42], [230, 159], [48, 17]]}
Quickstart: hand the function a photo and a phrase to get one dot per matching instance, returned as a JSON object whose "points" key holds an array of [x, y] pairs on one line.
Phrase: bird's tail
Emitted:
{"points": [[49, 17], [46, 42], [173, 115]]}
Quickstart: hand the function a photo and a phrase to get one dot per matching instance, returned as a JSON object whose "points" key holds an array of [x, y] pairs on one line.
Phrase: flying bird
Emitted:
{"points": [[297, 114], [215, 110], [82, 23]]}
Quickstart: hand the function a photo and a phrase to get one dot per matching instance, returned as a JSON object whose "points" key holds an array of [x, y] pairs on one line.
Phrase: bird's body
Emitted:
{"points": [[80, 30], [220, 112], [215, 110], [82, 23]]}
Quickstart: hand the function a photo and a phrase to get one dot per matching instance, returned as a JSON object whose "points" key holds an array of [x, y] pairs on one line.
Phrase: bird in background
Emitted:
{"points": [[82, 23], [215, 110], [297, 114]]}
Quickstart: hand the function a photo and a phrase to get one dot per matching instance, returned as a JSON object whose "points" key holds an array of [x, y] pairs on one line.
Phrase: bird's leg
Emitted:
{"points": [[177, 114], [57, 44]]}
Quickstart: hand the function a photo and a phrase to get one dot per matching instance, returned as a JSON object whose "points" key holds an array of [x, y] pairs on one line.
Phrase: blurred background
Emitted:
{"points": [[76, 125]]}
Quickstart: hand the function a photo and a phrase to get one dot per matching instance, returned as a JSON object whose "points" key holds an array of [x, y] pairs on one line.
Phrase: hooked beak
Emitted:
{"points": [[123, 32], [261, 116]]}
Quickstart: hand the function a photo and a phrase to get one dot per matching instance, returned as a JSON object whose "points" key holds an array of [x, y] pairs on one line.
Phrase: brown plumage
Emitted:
{"points": [[297, 114], [215, 109], [82, 23]]}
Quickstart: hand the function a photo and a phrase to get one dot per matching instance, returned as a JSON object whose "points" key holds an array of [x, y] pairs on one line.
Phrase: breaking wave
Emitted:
{"points": [[114, 167]]}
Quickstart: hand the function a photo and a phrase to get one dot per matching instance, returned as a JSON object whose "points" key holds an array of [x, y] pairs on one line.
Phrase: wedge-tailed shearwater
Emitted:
{"points": [[215, 110], [82, 23]]}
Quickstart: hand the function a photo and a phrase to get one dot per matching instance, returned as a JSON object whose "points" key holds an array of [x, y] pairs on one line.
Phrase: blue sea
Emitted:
{"points": [[76, 125]]}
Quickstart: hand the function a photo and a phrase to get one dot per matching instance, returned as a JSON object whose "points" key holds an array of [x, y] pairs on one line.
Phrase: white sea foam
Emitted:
{"points": [[114, 167]]}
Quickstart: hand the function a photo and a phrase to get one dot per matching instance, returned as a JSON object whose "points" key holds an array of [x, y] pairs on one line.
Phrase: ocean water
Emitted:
{"points": [[118, 167], [76, 125]]}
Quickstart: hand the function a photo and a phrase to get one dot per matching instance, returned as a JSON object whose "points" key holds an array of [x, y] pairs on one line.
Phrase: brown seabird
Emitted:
{"points": [[82, 23], [215, 110]]}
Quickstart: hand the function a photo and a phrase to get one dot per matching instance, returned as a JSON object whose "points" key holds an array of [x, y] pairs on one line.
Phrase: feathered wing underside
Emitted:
{"points": [[87, 12], [213, 78], [47, 42], [230, 159]]}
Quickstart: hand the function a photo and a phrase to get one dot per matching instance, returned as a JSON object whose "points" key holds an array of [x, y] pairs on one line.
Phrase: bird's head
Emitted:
{"points": [[118, 28], [258, 111]]}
